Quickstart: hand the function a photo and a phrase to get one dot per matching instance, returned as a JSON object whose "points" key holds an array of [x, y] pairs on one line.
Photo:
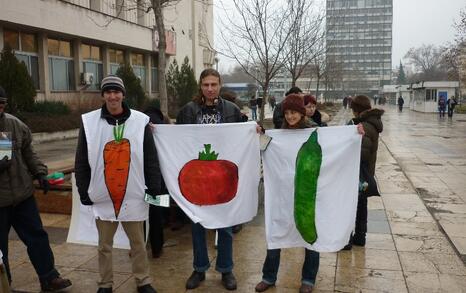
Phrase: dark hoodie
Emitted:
{"points": [[372, 123]]}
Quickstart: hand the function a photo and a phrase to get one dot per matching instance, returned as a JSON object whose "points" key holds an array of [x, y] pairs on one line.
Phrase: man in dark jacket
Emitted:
{"points": [[209, 108], [372, 124], [106, 136], [18, 208], [401, 102]]}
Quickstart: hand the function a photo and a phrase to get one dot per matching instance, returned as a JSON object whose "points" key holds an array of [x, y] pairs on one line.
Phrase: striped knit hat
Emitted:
{"points": [[112, 82]]}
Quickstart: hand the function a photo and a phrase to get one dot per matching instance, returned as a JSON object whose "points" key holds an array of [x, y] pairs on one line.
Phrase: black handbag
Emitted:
{"points": [[370, 189]]}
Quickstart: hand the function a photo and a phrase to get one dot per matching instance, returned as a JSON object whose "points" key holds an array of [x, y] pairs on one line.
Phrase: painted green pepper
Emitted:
{"points": [[308, 163]]}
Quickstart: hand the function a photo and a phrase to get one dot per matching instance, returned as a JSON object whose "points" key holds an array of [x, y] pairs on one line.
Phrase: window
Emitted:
{"points": [[25, 49], [61, 65], [137, 62], [431, 95], [116, 58], [92, 63]]}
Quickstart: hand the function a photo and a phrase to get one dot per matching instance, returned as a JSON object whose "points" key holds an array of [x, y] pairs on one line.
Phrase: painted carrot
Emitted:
{"points": [[308, 163], [117, 160]]}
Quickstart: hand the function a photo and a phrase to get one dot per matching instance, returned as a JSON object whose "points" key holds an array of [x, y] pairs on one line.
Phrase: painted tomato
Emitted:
{"points": [[208, 181]]}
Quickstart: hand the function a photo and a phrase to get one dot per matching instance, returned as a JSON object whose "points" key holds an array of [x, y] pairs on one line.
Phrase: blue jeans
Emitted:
{"points": [[309, 271], [25, 219], [254, 113], [201, 262]]}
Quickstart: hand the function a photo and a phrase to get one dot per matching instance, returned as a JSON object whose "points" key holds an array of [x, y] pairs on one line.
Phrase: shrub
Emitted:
{"points": [[181, 85], [135, 96], [50, 108], [16, 81]]}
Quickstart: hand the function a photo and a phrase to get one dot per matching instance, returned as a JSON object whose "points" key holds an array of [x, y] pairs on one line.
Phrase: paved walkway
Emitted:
{"points": [[416, 237]]}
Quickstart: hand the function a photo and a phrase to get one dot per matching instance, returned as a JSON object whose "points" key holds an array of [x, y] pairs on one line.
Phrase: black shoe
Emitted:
{"points": [[229, 281], [195, 280], [146, 289], [105, 290], [56, 285], [359, 239], [237, 228]]}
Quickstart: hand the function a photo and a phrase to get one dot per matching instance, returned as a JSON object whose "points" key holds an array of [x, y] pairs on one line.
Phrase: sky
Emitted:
{"points": [[415, 22]]}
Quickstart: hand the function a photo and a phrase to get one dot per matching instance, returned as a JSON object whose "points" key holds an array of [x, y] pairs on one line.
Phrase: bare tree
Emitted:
{"points": [[427, 61], [308, 33], [254, 34]]}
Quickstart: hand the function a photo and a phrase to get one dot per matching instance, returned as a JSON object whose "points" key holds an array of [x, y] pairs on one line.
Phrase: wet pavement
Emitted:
{"points": [[416, 230]]}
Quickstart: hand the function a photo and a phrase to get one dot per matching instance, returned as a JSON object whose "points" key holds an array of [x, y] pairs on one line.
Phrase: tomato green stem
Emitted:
{"points": [[208, 154]]}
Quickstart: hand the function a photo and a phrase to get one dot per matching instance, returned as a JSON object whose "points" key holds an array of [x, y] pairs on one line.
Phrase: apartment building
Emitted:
{"points": [[69, 46], [359, 36]]}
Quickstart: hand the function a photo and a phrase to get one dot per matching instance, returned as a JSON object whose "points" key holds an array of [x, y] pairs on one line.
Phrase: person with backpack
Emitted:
{"points": [[451, 103], [442, 105]]}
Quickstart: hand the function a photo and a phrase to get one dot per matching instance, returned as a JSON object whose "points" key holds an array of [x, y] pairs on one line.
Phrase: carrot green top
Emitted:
{"points": [[207, 154], [118, 132]]}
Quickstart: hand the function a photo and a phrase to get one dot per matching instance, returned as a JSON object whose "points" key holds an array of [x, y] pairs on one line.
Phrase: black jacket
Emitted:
{"points": [[82, 168], [191, 113]]}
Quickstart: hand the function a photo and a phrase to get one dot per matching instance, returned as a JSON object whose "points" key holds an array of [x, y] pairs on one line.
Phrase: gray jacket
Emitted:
{"points": [[16, 182], [191, 113]]}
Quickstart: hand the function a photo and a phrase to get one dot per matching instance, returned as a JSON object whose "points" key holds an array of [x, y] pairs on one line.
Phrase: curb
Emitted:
{"points": [[42, 137]]}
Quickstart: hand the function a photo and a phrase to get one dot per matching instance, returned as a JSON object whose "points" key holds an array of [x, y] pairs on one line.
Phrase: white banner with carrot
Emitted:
{"points": [[311, 179], [211, 171]]}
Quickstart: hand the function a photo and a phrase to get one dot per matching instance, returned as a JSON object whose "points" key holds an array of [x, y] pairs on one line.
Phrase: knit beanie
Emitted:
{"points": [[309, 99], [2, 95], [293, 90], [294, 102], [112, 82], [360, 103]]}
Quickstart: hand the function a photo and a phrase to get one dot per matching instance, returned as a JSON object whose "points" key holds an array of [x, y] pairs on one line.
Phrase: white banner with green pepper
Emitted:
{"points": [[211, 170], [311, 179]]}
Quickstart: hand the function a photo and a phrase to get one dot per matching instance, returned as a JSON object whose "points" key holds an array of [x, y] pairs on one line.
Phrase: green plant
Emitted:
{"points": [[51, 108], [16, 81], [461, 109], [135, 96], [181, 84]]}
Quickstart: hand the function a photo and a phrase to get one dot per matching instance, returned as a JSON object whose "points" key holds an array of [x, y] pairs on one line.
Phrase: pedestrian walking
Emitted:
{"points": [[253, 106], [401, 102], [370, 119], [118, 143], [209, 108], [272, 102], [451, 104], [18, 208], [295, 118], [442, 105]]}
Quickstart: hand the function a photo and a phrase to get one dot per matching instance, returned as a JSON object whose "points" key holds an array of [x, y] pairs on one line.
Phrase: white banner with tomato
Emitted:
{"points": [[311, 179], [212, 171]]}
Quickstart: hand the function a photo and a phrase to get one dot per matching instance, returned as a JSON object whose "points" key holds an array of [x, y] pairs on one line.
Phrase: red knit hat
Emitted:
{"points": [[309, 99], [294, 102]]}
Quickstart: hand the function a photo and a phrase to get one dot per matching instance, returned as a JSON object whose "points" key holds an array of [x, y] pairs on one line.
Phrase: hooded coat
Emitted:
{"points": [[373, 126]]}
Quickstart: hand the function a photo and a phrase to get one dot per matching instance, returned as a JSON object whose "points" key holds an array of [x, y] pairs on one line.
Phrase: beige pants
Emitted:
{"points": [[140, 263]]}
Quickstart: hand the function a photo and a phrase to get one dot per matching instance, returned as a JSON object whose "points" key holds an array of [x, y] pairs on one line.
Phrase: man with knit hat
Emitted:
{"points": [[18, 208], [370, 118], [115, 138]]}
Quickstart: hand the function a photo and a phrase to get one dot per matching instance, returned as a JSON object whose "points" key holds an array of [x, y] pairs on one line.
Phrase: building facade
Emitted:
{"points": [[69, 46], [359, 36]]}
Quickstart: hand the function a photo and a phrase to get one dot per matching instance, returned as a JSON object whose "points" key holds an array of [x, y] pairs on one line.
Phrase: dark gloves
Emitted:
{"points": [[43, 183], [85, 200], [4, 164]]}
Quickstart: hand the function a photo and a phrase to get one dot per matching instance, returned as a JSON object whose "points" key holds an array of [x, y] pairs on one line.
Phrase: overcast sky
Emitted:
{"points": [[415, 22]]}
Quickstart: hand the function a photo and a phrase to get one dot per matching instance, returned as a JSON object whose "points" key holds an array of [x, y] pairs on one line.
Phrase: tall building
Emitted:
{"points": [[68, 46], [359, 36]]}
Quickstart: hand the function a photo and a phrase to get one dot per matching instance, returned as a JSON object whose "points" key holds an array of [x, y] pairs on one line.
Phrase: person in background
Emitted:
{"points": [[316, 118], [231, 96], [451, 103], [112, 139], [370, 119], [253, 106], [295, 118], [18, 208], [442, 105], [401, 102], [272, 102], [278, 113]]}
